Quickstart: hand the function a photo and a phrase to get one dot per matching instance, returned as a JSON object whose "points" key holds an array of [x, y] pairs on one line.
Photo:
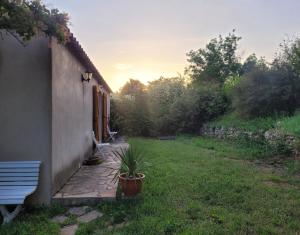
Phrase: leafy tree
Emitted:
{"points": [[162, 93], [130, 109], [216, 61], [252, 62], [264, 93], [133, 88], [29, 18], [195, 107], [288, 61]]}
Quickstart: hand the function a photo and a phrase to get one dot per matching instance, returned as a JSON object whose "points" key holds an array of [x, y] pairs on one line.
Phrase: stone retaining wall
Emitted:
{"points": [[272, 137]]}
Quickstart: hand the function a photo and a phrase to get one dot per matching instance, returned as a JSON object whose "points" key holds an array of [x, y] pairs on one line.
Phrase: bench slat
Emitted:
{"points": [[12, 187], [21, 162], [35, 169], [24, 174], [16, 192], [12, 197], [28, 183], [17, 178], [20, 165], [11, 201]]}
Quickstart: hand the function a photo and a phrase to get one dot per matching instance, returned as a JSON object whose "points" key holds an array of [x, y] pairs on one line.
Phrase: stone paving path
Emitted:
{"points": [[91, 184], [82, 214], [73, 217]]}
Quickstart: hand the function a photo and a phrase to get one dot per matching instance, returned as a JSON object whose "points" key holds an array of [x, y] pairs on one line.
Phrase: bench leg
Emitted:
{"points": [[9, 216]]}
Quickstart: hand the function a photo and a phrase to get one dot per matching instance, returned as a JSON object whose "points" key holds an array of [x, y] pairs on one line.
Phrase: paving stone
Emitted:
{"points": [[90, 216], [59, 219], [78, 211], [69, 230], [91, 182]]}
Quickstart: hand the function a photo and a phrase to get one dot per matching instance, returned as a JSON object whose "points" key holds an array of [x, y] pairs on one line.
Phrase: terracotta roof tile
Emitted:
{"points": [[74, 46]]}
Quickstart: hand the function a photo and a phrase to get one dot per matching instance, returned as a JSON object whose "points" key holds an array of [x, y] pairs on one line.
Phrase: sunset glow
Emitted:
{"points": [[147, 39]]}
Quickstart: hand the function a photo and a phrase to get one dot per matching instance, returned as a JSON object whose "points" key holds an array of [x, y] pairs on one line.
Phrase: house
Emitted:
{"points": [[48, 108]]}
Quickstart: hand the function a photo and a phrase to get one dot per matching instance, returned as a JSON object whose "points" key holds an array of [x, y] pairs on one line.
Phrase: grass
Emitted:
{"points": [[203, 186], [233, 120], [34, 221], [193, 186], [291, 124]]}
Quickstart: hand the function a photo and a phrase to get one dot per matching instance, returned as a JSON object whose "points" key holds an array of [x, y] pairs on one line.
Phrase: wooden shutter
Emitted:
{"points": [[96, 113], [105, 117]]}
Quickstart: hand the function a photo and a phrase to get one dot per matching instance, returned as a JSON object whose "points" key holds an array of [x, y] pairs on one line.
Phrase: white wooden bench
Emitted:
{"points": [[18, 179]]}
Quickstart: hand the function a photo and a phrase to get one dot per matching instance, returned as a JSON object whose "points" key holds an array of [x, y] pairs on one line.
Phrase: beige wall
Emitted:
{"points": [[25, 107], [45, 110], [72, 115]]}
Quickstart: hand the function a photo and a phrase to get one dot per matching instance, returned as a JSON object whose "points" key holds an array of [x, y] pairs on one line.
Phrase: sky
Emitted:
{"points": [[147, 39]]}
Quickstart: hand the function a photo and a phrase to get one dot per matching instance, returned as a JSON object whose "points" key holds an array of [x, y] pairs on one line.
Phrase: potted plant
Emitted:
{"points": [[130, 176]]}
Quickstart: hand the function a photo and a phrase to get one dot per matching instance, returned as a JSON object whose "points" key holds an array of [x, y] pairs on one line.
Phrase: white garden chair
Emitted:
{"points": [[99, 146], [111, 134]]}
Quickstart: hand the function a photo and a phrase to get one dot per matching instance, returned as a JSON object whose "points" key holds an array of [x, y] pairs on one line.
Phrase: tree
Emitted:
{"points": [[288, 61], [216, 62], [252, 62], [30, 18], [133, 88], [131, 110], [162, 93], [264, 93]]}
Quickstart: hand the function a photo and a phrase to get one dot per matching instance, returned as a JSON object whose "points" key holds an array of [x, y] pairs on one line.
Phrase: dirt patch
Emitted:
{"points": [[280, 184], [277, 164]]}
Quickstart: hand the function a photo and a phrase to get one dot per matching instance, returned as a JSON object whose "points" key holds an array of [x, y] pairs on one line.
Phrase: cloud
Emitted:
{"points": [[121, 66]]}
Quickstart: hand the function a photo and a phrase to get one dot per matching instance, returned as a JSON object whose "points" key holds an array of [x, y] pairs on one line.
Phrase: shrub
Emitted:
{"points": [[130, 112], [197, 106], [264, 93], [162, 94]]}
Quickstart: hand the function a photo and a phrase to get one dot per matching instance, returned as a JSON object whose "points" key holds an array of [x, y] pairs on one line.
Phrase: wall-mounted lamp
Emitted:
{"points": [[87, 76]]}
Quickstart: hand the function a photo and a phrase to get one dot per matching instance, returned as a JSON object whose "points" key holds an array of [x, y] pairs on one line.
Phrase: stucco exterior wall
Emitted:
{"points": [[25, 107], [72, 115]]}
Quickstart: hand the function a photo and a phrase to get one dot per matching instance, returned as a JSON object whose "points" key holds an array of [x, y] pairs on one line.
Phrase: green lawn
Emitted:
{"points": [[193, 186], [291, 124], [233, 120]]}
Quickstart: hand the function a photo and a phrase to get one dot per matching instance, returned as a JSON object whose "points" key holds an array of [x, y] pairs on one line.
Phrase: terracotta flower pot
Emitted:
{"points": [[131, 186]]}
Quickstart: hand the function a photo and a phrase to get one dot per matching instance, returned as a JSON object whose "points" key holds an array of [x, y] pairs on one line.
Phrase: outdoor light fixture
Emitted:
{"points": [[87, 76]]}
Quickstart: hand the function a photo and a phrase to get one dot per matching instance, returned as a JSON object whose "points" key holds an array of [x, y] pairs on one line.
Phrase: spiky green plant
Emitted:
{"points": [[131, 162]]}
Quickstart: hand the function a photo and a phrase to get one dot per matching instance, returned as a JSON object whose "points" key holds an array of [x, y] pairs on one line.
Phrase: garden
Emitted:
{"points": [[193, 185], [219, 145]]}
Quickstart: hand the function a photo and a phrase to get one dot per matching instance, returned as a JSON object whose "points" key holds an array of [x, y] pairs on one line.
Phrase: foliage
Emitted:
{"points": [[216, 62], [133, 88], [195, 107], [264, 93], [195, 186], [29, 18], [130, 110], [34, 220], [291, 124], [202, 189], [288, 60], [232, 119], [131, 162], [252, 62], [162, 94], [230, 83]]}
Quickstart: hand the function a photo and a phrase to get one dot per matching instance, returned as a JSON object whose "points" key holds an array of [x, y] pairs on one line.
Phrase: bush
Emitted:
{"points": [[162, 94], [264, 93], [130, 111], [195, 107]]}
